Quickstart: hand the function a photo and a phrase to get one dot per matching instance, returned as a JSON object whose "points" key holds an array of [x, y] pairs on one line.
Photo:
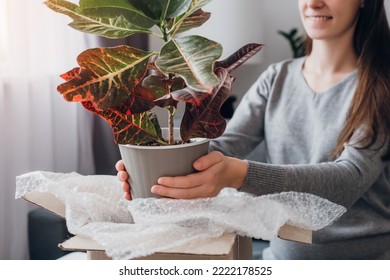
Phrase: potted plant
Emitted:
{"points": [[123, 84]]}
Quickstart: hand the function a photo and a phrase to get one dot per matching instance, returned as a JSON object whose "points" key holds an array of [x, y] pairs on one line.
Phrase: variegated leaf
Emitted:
{"points": [[162, 10], [151, 8], [107, 76], [71, 74], [114, 8], [163, 87], [204, 119], [139, 101], [189, 95], [166, 101], [192, 58], [196, 19], [157, 84], [239, 57], [113, 28], [174, 8], [116, 27], [195, 5], [134, 129]]}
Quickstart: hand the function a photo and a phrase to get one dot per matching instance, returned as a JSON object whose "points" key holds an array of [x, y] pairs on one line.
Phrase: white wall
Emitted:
{"points": [[276, 15]]}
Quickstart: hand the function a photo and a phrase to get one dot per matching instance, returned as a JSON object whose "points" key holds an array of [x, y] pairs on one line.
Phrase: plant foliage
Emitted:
{"points": [[122, 84]]}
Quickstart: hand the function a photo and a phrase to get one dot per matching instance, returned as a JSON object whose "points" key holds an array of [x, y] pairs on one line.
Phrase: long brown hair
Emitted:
{"points": [[371, 103]]}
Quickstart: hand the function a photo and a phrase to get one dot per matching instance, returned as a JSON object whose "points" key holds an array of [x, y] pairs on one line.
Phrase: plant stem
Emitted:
{"points": [[172, 111], [164, 30]]}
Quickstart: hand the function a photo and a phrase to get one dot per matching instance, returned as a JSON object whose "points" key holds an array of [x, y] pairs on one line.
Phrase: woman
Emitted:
{"points": [[325, 121]]}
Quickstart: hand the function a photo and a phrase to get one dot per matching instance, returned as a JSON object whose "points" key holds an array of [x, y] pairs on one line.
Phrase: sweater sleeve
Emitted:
{"points": [[342, 181]]}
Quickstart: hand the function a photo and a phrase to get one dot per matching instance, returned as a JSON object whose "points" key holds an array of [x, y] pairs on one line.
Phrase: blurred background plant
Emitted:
{"points": [[296, 41]]}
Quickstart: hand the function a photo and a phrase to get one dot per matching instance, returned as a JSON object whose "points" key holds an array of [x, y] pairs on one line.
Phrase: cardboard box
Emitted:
{"points": [[227, 247]]}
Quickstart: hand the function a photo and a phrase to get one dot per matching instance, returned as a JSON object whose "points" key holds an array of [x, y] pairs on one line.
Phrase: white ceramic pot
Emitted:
{"points": [[145, 164]]}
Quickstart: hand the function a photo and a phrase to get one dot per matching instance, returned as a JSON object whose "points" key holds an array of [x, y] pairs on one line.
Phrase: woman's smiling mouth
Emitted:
{"points": [[319, 18]]}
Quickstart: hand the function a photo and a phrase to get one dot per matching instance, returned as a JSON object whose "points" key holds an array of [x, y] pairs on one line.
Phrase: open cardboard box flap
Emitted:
{"points": [[215, 247]]}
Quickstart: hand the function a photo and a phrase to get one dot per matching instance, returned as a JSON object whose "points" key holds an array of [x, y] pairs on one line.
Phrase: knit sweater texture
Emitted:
{"points": [[300, 129]]}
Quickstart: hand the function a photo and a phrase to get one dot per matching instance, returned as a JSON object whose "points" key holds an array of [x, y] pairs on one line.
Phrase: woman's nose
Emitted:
{"points": [[315, 4]]}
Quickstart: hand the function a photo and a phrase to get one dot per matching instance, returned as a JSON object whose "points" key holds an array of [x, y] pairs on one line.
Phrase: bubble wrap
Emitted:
{"points": [[130, 229]]}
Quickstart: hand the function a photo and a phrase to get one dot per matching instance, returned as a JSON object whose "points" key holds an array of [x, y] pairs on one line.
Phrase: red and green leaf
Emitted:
{"points": [[204, 119], [141, 100], [134, 129], [71, 74], [192, 58], [239, 57], [130, 122], [161, 86], [188, 95], [107, 76]]}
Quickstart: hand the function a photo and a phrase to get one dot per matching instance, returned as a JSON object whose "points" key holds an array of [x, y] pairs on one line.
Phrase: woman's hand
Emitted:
{"points": [[216, 171], [123, 176]]}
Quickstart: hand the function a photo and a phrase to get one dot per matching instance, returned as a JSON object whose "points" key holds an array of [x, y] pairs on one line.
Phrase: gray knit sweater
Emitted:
{"points": [[300, 129]]}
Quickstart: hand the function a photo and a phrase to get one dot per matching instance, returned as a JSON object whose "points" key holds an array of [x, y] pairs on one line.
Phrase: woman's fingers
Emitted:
{"points": [[191, 186], [122, 176], [208, 160], [126, 188], [128, 196], [119, 166], [185, 193], [182, 182]]}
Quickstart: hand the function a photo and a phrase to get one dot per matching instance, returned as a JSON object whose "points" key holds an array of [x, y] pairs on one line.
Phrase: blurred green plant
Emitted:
{"points": [[297, 42]]}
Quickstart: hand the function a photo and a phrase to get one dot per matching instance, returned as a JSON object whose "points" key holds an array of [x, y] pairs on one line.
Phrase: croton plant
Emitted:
{"points": [[123, 84]]}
